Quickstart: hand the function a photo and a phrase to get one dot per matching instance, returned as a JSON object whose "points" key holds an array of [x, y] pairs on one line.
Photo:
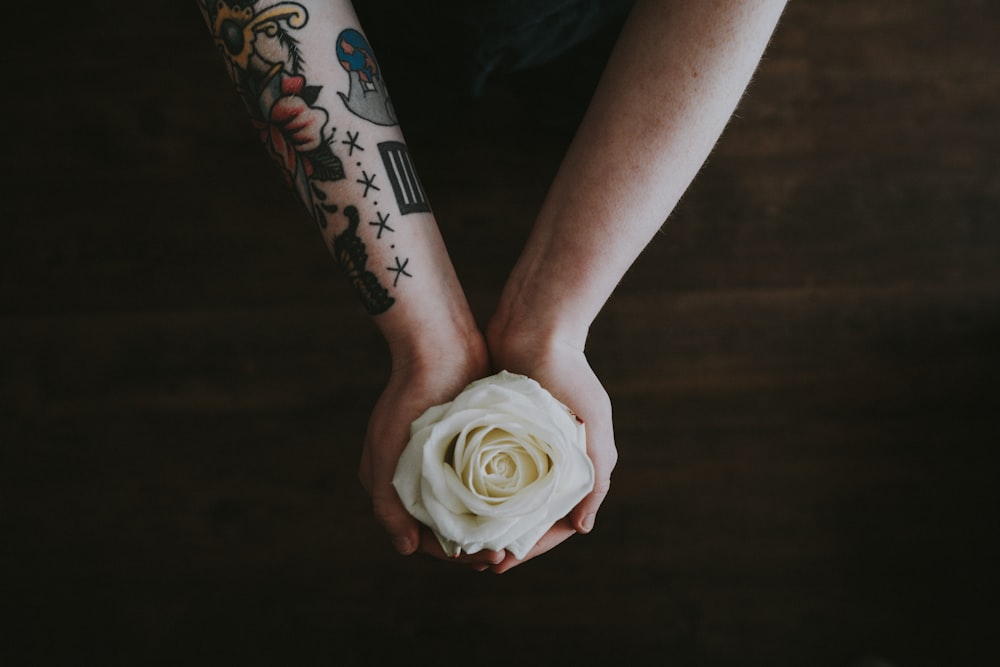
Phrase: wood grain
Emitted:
{"points": [[803, 363]]}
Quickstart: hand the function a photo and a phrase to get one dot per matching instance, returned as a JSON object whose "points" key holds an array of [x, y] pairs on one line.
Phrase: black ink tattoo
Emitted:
{"points": [[381, 224], [367, 97], [368, 181], [352, 143], [291, 46], [321, 206], [403, 177], [280, 101], [351, 253], [399, 270], [265, 61]]}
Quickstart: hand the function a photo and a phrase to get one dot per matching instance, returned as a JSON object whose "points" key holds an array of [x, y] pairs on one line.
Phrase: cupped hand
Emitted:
{"points": [[417, 382], [562, 368]]}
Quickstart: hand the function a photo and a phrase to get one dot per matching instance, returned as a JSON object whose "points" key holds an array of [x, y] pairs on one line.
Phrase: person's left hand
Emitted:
{"points": [[562, 368]]}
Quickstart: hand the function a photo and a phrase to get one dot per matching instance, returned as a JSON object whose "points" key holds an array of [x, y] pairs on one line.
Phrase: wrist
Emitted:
{"points": [[517, 341], [445, 345], [527, 315]]}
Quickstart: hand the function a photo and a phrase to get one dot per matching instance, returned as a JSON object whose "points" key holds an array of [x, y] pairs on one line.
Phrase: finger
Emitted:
{"points": [[559, 533], [430, 545], [584, 514], [403, 529], [377, 466], [365, 470], [604, 455]]}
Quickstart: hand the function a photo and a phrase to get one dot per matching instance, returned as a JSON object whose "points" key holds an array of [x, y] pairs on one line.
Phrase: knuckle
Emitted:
{"points": [[612, 457], [605, 401], [605, 459], [602, 488], [385, 513], [364, 476]]}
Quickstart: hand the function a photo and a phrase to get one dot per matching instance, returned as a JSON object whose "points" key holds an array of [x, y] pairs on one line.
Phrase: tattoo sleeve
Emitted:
{"points": [[356, 183]]}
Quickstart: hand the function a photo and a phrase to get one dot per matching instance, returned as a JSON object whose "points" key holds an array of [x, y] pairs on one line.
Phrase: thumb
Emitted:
{"points": [[585, 513], [604, 458], [403, 529]]}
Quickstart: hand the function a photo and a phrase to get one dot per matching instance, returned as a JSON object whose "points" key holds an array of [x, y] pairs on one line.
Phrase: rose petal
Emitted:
{"points": [[496, 467]]}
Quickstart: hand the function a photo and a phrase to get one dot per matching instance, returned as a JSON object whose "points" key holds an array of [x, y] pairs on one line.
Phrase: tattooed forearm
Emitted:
{"points": [[399, 270], [352, 255], [367, 97], [367, 180], [405, 185], [297, 122], [382, 224]]}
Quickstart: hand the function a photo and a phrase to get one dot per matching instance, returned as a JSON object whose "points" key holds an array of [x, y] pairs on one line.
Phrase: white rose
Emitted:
{"points": [[496, 467]]}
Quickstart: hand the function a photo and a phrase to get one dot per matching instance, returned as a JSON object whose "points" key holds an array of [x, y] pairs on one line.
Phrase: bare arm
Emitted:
{"points": [[314, 91], [675, 76]]}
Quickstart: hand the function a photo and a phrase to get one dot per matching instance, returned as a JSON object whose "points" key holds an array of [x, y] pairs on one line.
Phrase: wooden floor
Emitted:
{"points": [[803, 364]]}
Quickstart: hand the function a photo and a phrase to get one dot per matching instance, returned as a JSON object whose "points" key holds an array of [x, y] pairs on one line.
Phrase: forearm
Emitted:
{"points": [[674, 78], [314, 91]]}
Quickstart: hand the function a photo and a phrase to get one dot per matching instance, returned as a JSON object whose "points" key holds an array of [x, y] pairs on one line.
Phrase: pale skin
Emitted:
{"points": [[670, 86], [672, 82], [434, 343]]}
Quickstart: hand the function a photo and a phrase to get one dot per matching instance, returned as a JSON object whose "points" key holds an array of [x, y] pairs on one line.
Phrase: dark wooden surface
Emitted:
{"points": [[803, 364]]}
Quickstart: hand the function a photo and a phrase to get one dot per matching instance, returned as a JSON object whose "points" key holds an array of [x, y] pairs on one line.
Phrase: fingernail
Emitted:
{"points": [[588, 522], [403, 546]]}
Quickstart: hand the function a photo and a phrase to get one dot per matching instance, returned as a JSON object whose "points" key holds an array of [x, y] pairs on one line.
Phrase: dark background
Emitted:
{"points": [[803, 363]]}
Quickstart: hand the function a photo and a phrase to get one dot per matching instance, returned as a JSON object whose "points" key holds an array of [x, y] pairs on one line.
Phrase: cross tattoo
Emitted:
{"points": [[399, 270], [352, 142], [382, 224], [368, 182]]}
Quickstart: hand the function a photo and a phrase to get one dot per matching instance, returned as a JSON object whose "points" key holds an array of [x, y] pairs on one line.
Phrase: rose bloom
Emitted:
{"points": [[496, 467]]}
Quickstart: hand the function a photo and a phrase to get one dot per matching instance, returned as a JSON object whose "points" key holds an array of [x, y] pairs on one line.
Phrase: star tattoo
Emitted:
{"points": [[381, 224], [368, 182], [352, 142], [400, 270]]}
